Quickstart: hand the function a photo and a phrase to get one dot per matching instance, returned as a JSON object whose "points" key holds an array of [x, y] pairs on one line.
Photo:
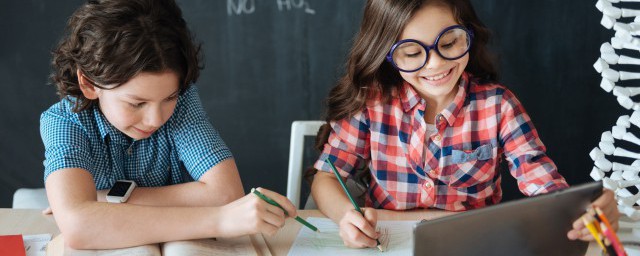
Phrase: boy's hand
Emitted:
{"points": [[607, 203], [252, 215], [359, 231]]}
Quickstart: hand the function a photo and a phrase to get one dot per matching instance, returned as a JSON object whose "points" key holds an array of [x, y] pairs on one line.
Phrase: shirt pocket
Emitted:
{"points": [[472, 166]]}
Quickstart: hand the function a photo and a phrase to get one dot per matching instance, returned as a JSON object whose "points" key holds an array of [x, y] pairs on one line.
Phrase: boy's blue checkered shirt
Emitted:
{"points": [[182, 150]]}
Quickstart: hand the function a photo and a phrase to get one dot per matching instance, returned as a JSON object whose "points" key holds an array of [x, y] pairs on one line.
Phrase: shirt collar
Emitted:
{"points": [[106, 128], [410, 98], [451, 112]]}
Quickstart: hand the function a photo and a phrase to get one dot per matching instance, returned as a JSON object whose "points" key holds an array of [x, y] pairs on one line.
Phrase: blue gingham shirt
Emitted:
{"points": [[182, 150]]}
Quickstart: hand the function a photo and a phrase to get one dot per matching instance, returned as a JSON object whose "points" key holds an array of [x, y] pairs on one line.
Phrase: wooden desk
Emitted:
{"points": [[26, 222], [31, 222]]}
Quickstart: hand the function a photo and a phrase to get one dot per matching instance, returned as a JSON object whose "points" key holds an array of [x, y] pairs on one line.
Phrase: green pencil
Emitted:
{"points": [[274, 203], [346, 191]]}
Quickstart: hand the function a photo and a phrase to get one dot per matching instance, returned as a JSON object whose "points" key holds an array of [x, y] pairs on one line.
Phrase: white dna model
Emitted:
{"points": [[617, 162]]}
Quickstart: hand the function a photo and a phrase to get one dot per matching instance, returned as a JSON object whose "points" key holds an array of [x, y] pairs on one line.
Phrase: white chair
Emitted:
{"points": [[30, 198], [299, 129]]}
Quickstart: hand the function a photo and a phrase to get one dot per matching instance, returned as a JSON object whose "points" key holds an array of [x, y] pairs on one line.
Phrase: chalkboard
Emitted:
{"points": [[270, 62]]}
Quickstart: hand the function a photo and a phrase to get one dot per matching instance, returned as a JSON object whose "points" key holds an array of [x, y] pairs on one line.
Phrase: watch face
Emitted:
{"points": [[119, 189]]}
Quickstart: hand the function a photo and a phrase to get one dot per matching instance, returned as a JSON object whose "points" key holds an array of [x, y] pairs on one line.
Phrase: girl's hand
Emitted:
{"points": [[359, 231], [252, 215], [607, 203]]}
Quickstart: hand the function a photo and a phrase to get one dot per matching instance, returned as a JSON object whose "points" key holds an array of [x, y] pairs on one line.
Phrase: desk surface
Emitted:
{"points": [[26, 222], [31, 222]]}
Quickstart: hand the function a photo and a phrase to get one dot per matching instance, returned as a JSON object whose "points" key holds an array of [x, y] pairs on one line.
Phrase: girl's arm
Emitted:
{"points": [[88, 224], [356, 230], [535, 171]]}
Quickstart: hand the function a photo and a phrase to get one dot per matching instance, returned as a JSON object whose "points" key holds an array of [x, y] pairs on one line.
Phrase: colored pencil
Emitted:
{"points": [[346, 191], [274, 203], [594, 232], [616, 241]]}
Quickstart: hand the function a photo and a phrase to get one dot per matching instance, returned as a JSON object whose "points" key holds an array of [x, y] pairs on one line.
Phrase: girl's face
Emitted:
{"points": [[438, 79], [140, 106]]}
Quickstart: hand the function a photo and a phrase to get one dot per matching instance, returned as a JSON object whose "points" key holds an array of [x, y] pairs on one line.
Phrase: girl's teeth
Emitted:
{"points": [[438, 77]]}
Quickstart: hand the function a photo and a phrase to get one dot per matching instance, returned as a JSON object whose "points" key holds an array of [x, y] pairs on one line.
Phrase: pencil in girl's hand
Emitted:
{"points": [[616, 241], [609, 247], [594, 231], [346, 191], [610, 235]]}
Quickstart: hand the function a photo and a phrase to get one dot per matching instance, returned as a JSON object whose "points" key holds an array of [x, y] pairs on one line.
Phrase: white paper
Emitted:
{"points": [[397, 238], [36, 245]]}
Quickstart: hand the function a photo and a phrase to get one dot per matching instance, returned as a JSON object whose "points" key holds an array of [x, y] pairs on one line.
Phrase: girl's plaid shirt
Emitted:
{"points": [[453, 169]]}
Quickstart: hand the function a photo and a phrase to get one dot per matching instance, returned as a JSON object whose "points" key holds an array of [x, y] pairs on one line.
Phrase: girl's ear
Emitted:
{"points": [[88, 89]]}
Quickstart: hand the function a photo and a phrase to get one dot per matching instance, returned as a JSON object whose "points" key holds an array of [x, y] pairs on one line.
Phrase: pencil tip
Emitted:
{"points": [[381, 248]]}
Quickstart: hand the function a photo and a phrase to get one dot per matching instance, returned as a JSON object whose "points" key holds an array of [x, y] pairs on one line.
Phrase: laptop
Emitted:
{"points": [[531, 226]]}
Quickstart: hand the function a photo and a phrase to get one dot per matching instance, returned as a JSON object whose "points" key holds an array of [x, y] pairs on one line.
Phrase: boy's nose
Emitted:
{"points": [[153, 118]]}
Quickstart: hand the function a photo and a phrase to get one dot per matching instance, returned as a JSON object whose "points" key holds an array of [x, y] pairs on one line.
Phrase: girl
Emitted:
{"points": [[419, 106], [124, 71]]}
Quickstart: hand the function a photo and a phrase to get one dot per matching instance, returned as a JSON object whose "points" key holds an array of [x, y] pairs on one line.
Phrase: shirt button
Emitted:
{"points": [[427, 185], [440, 118], [437, 137]]}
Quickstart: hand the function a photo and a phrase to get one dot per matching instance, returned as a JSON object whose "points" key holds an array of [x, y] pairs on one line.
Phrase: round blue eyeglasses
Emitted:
{"points": [[410, 55]]}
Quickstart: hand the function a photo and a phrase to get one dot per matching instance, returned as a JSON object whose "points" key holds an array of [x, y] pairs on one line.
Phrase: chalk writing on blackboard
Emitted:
{"points": [[240, 7], [295, 4]]}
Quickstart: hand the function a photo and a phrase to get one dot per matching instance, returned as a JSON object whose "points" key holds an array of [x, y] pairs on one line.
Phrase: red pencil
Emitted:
{"points": [[614, 238], [611, 236]]}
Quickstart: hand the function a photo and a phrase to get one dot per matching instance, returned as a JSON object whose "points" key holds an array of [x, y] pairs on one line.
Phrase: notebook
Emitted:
{"points": [[530, 226]]}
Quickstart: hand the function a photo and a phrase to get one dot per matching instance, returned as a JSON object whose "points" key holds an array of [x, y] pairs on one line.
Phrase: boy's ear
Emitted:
{"points": [[88, 89]]}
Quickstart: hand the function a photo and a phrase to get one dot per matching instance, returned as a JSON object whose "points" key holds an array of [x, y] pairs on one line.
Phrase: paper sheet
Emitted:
{"points": [[36, 245], [397, 236]]}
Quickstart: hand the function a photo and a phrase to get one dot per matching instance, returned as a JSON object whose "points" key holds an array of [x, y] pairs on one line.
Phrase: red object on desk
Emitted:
{"points": [[12, 245]]}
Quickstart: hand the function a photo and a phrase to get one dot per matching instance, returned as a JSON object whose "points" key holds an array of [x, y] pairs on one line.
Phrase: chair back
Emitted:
{"points": [[299, 129]]}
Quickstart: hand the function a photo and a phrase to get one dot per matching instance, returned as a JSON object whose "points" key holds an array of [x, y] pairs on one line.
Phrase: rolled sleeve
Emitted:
{"points": [[198, 144], [65, 142], [348, 145], [528, 162]]}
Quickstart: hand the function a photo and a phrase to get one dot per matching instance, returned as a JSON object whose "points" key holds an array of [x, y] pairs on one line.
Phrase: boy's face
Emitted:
{"points": [[438, 78], [142, 105]]}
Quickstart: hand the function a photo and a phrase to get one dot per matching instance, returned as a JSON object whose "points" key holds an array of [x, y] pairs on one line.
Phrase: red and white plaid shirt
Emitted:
{"points": [[456, 169]]}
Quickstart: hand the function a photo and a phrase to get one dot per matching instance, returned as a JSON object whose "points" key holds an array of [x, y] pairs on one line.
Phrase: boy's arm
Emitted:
{"points": [[218, 186], [88, 224]]}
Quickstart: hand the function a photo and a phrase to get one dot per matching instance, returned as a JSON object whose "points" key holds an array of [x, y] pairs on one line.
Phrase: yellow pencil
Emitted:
{"points": [[594, 232]]}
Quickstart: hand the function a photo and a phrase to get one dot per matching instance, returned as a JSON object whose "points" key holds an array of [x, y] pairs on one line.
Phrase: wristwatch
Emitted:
{"points": [[121, 191]]}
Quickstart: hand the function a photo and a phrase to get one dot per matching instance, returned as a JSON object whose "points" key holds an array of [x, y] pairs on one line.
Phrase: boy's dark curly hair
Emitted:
{"points": [[111, 41]]}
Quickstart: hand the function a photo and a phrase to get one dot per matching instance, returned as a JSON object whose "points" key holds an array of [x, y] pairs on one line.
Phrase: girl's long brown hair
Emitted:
{"points": [[367, 71]]}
